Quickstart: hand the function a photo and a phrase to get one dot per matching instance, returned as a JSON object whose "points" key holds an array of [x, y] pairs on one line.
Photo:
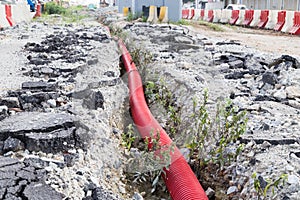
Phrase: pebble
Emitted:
{"points": [[231, 189], [137, 196], [293, 180]]}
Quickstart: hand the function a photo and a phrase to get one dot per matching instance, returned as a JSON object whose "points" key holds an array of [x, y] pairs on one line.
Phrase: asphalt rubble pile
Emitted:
{"points": [[57, 132], [266, 86]]}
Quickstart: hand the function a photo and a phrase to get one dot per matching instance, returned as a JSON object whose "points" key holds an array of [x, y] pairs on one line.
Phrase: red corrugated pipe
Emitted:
{"points": [[179, 178]]}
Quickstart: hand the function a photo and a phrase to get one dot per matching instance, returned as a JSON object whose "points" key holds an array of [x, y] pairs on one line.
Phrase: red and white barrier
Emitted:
{"points": [[256, 16], [202, 14], [197, 14], [241, 17], [226, 16], [273, 19], [21, 12], [296, 27], [234, 17], [217, 16], [191, 13], [210, 16], [248, 17], [13, 14], [289, 22], [185, 13], [263, 19], [280, 20], [9, 15], [3, 21], [285, 21], [205, 15]]}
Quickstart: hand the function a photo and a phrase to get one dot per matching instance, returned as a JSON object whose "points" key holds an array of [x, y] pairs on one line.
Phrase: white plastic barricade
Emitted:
{"points": [[289, 21], [273, 14], [217, 16], [21, 12], [241, 18], [256, 18], [197, 14], [205, 15], [226, 16]]}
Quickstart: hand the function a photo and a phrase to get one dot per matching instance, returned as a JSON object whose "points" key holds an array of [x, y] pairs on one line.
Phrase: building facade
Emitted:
{"points": [[293, 5], [136, 7]]}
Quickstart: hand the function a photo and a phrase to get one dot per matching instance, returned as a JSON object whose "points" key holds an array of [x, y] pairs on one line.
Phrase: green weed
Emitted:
{"points": [[212, 26], [262, 191], [212, 138], [128, 137]]}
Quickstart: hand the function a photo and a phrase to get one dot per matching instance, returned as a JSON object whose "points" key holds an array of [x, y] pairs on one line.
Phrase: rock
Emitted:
{"points": [[185, 152], [236, 64], [12, 144], [262, 182], [40, 190], [122, 190], [94, 101], [294, 104], [3, 112], [137, 196], [232, 189], [70, 159], [38, 61], [235, 75], [105, 83], [270, 78], [40, 85], [92, 61], [48, 132], [46, 70], [293, 180], [293, 91], [210, 193], [109, 73], [280, 94], [265, 145], [10, 102], [52, 103], [99, 194]]}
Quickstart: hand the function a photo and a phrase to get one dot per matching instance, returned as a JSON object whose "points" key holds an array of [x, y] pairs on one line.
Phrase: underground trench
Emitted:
{"points": [[179, 178]]}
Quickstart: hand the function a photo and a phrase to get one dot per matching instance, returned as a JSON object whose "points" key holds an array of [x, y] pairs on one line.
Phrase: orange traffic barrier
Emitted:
{"points": [[202, 12], [234, 16], [296, 27], [9, 15], [210, 16], [280, 20], [38, 11], [185, 13], [248, 17], [264, 17]]}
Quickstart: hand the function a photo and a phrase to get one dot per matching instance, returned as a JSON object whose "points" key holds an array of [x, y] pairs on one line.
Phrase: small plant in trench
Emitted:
{"points": [[263, 187], [161, 94], [147, 159], [142, 59], [212, 139], [209, 134], [128, 137]]}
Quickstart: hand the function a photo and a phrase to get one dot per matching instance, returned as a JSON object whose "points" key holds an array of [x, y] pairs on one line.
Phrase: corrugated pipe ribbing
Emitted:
{"points": [[179, 178]]}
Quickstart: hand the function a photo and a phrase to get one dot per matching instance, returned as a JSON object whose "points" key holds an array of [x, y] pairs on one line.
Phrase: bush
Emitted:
{"points": [[53, 8]]}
